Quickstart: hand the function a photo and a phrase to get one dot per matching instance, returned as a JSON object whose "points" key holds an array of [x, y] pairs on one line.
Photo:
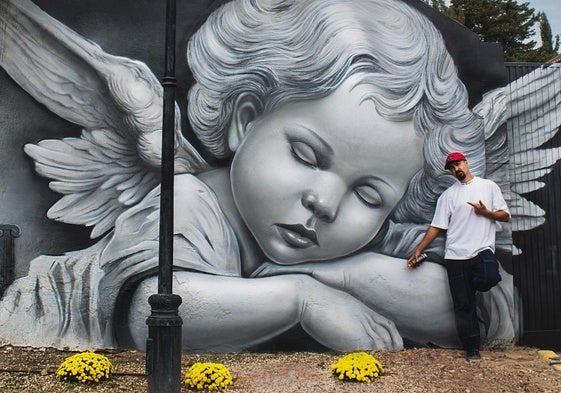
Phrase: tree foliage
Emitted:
{"points": [[507, 22], [549, 49], [451, 12]]}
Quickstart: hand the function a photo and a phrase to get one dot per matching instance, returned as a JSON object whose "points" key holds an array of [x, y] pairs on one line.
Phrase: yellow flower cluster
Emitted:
{"points": [[85, 367], [209, 376], [359, 367]]}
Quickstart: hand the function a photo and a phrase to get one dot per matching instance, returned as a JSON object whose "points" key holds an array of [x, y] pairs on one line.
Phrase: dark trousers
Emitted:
{"points": [[463, 296]]}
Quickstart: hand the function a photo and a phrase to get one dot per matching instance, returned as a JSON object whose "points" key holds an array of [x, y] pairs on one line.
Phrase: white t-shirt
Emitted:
{"points": [[468, 233]]}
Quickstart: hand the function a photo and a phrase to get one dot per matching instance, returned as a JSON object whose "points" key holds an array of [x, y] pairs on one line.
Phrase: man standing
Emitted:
{"points": [[467, 211]]}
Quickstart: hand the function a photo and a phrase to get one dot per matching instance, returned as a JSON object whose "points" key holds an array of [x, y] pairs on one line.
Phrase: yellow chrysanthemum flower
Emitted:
{"points": [[208, 376], [358, 367], [85, 367]]}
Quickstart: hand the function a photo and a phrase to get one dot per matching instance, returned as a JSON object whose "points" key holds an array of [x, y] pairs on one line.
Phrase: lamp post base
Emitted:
{"points": [[163, 346]]}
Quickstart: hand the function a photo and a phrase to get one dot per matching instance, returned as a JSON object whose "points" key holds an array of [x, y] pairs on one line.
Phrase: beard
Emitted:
{"points": [[460, 175]]}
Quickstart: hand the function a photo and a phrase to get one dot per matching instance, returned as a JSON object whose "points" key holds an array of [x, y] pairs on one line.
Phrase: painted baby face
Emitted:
{"points": [[316, 180]]}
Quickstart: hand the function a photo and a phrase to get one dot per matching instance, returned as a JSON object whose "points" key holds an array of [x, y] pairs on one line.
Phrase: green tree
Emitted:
{"points": [[504, 21], [507, 22], [451, 12], [549, 49]]}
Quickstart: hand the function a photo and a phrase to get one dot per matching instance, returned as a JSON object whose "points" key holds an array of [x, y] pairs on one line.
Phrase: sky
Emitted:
{"points": [[552, 9]]}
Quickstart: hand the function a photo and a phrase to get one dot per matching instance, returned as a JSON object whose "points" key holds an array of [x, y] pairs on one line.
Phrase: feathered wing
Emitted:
{"points": [[519, 120], [533, 118], [492, 109], [118, 102]]}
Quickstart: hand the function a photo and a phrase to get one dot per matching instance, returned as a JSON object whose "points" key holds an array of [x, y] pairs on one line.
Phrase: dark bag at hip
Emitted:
{"points": [[485, 271]]}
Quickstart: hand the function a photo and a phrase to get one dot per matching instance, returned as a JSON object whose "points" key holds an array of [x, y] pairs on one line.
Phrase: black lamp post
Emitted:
{"points": [[163, 346]]}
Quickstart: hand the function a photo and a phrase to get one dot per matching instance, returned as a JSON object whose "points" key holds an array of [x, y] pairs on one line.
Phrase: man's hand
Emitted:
{"points": [[412, 261], [481, 210], [430, 235]]}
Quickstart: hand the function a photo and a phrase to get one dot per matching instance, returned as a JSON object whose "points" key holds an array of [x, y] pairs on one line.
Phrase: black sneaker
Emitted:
{"points": [[473, 354]]}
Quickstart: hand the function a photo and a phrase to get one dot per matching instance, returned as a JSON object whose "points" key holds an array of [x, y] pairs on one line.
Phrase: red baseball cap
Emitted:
{"points": [[454, 157]]}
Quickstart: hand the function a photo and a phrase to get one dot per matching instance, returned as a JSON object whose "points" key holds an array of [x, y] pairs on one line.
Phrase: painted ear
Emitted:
{"points": [[246, 110]]}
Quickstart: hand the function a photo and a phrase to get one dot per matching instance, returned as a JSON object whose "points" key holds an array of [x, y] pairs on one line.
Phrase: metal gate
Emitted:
{"points": [[537, 270]]}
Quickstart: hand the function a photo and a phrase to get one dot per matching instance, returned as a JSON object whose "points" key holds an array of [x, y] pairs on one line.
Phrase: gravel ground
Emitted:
{"points": [[515, 369]]}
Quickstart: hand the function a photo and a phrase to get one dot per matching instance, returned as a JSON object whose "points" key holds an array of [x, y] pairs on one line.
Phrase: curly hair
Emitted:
{"points": [[287, 50]]}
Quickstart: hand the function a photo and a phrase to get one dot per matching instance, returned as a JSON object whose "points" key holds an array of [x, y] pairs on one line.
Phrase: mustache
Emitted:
{"points": [[302, 231]]}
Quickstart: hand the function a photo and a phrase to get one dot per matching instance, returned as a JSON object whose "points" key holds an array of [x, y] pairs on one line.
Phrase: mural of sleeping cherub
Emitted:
{"points": [[332, 119]]}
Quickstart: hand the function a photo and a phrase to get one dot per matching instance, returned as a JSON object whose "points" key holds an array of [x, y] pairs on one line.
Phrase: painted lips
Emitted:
{"points": [[297, 235]]}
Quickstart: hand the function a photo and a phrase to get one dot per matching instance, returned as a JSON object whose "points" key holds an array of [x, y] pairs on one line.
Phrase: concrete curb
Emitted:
{"points": [[551, 358]]}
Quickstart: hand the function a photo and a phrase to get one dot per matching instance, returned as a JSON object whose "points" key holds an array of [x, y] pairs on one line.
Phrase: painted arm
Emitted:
{"points": [[418, 300], [231, 313]]}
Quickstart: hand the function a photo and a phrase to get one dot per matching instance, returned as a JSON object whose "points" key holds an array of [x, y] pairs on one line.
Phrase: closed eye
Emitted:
{"points": [[304, 153], [369, 195]]}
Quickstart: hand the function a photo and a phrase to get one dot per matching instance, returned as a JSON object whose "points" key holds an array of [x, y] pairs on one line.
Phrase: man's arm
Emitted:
{"points": [[430, 235], [481, 209]]}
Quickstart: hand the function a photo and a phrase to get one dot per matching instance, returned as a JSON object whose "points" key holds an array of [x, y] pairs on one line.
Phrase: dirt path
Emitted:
{"points": [[517, 369]]}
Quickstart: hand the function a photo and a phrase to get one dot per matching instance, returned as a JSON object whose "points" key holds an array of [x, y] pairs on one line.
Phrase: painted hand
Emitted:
{"points": [[325, 272], [341, 322]]}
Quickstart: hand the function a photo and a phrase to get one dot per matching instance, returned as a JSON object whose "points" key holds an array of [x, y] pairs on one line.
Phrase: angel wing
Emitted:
{"points": [[534, 117], [118, 102], [530, 109]]}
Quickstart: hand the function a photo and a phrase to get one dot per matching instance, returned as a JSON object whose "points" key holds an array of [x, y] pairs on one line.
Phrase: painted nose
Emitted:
{"points": [[318, 207], [324, 205]]}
